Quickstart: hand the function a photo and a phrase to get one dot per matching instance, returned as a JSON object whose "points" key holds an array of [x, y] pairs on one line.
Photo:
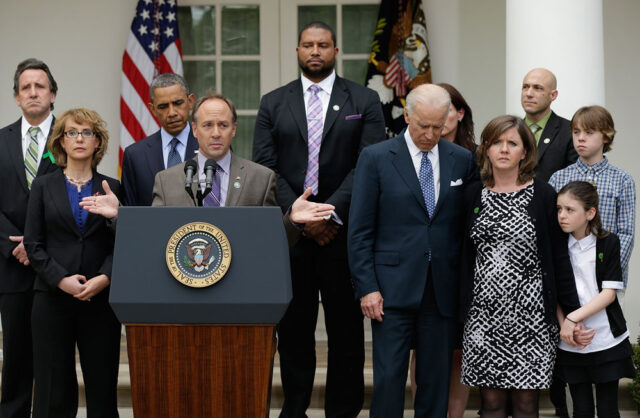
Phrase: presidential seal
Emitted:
{"points": [[198, 254]]}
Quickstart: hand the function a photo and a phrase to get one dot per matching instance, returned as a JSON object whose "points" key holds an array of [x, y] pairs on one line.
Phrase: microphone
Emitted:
{"points": [[190, 168], [210, 167]]}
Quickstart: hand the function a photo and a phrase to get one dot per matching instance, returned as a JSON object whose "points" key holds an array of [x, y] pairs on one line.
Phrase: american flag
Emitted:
{"points": [[399, 59], [153, 48]]}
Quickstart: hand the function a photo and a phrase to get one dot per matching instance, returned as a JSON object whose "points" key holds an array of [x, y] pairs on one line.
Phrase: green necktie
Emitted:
{"points": [[31, 157], [534, 129]]}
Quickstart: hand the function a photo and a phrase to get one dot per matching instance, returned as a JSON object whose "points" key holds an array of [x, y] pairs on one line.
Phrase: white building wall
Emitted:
{"points": [[82, 42]]}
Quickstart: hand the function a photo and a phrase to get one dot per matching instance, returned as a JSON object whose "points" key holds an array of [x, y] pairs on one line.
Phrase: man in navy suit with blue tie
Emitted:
{"points": [[406, 229], [171, 104]]}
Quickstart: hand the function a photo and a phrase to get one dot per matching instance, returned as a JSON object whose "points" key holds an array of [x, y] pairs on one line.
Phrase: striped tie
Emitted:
{"points": [[31, 157], [174, 156], [534, 128], [314, 128]]}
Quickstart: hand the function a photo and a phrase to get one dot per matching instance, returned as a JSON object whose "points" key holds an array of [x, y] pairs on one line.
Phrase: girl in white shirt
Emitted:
{"points": [[595, 258]]}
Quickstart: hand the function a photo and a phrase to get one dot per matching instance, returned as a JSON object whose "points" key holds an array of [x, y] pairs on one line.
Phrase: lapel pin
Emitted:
{"points": [[237, 183], [336, 107], [546, 140]]}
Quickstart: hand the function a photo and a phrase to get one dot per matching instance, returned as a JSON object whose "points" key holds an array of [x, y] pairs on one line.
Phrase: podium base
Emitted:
{"points": [[197, 371]]}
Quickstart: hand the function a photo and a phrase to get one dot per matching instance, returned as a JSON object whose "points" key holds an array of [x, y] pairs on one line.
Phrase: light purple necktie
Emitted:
{"points": [[213, 198], [314, 127]]}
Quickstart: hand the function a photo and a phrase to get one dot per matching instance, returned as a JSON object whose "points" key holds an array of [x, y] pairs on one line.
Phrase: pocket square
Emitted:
{"points": [[352, 117], [456, 183]]}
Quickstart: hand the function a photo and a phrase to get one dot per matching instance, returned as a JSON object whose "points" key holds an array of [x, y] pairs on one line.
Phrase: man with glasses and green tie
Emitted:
{"points": [[553, 133], [24, 156]]}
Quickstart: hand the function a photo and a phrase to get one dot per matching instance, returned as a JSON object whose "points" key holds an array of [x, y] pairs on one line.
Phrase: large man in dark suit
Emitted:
{"points": [[172, 144], [24, 156], [553, 133], [405, 235], [310, 132]]}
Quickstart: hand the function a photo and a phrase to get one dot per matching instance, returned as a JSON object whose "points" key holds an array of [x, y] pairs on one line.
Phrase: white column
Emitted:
{"points": [[443, 28], [566, 37]]}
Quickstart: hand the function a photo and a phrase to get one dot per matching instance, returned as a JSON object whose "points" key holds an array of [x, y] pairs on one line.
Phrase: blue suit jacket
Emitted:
{"points": [[140, 164], [391, 234]]}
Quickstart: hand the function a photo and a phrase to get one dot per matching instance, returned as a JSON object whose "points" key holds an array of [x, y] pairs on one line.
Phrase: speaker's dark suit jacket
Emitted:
{"points": [[412, 259], [353, 120], [140, 164], [56, 249], [555, 149], [16, 280]]}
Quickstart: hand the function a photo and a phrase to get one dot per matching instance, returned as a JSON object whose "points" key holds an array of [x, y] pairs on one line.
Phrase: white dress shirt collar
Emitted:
{"points": [[326, 85], [45, 126], [181, 148], [224, 165], [43, 135], [416, 158], [583, 244]]}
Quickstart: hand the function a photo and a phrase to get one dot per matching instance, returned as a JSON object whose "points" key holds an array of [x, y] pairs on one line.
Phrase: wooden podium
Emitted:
{"points": [[201, 352]]}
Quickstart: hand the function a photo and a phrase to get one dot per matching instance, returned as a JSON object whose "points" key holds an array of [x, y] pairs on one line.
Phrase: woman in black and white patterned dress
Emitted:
{"points": [[516, 269]]}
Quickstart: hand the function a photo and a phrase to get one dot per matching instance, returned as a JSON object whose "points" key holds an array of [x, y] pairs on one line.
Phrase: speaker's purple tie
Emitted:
{"points": [[314, 127], [213, 198]]}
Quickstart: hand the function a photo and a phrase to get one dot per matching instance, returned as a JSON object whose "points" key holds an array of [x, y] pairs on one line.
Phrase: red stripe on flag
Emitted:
{"points": [[163, 65], [130, 69], [133, 73], [130, 122]]}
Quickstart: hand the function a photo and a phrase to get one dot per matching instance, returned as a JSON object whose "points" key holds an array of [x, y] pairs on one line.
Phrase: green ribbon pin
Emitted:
{"points": [[600, 256], [476, 210], [49, 155]]}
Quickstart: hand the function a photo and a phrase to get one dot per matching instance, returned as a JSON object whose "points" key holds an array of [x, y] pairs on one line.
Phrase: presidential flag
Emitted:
{"points": [[153, 48], [399, 59]]}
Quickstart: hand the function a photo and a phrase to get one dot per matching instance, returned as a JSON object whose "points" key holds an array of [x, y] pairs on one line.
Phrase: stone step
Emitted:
{"points": [[319, 413], [317, 398]]}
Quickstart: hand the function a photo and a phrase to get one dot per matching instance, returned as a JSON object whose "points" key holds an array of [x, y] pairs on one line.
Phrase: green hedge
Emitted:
{"points": [[635, 385]]}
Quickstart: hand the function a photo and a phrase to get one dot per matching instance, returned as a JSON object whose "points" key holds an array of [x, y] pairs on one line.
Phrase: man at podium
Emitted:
{"points": [[219, 177]]}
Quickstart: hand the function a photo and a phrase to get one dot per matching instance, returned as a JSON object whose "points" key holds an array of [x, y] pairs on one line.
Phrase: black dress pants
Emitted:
{"points": [[606, 400], [17, 364], [59, 323], [313, 274], [433, 336]]}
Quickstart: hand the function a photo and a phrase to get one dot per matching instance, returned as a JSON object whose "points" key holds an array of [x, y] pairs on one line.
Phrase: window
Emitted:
{"points": [[354, 32], [223, 50]]}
